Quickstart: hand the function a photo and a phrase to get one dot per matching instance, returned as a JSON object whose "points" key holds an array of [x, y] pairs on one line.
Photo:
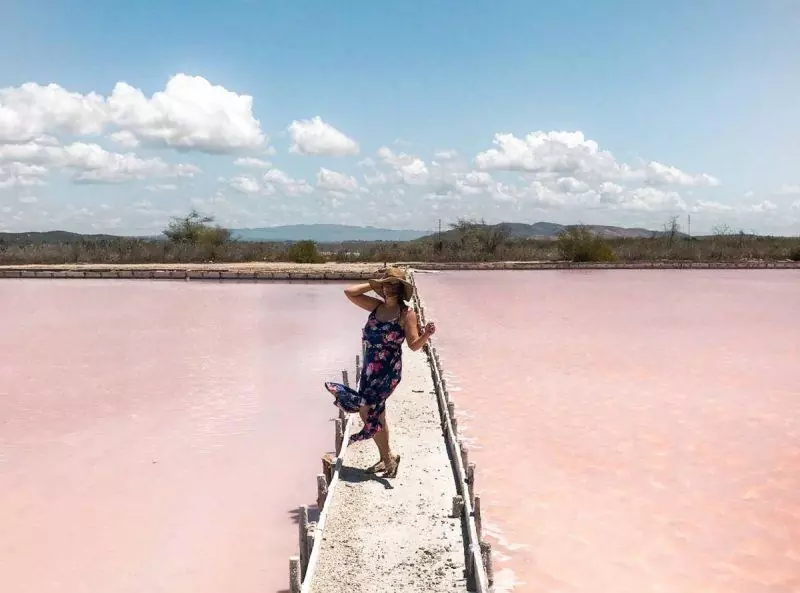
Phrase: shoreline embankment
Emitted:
{"points": [[261, 271]]}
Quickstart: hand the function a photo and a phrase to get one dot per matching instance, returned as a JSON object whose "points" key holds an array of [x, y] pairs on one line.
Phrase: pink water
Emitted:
{"points": [[157, 436], [636, 431]]}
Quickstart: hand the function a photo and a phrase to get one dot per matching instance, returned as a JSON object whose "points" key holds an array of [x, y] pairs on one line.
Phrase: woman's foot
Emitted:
{"points": [[392, 466]]}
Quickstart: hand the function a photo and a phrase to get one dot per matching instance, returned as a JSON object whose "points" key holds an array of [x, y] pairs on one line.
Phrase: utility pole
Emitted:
{"points": [[690, 225]]}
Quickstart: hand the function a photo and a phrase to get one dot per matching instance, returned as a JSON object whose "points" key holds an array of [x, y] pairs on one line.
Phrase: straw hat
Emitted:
{"points": [[392, 275]]}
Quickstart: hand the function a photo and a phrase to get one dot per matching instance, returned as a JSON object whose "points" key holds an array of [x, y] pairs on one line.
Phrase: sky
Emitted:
{"points": [[116, 117]]}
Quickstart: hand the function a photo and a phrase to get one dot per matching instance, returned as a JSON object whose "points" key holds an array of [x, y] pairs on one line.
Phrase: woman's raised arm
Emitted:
{"points": [[356, 295], [414, 338]]}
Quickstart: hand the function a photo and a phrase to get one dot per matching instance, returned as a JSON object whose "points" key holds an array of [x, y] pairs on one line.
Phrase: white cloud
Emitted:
{"points": [[315, 137], [94, 164], [190, 113], [31, 110], [19, 175], [125, 138], [279, 182], [789, 190], [796, 205], [245, 185], [570, 154], [159, 187], [252, 162], [333, 181], [711, 206], [445, 155], [719, 207], [763, 207], [407, 169], [27, 199]]}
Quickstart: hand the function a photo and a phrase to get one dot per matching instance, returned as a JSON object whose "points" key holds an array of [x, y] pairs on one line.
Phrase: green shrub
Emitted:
{"points": [[579, 244], [794, 254], [305, 252]]}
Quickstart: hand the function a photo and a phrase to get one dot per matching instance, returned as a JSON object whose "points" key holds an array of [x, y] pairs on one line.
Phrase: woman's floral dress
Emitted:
{"points": [[383, 366]]}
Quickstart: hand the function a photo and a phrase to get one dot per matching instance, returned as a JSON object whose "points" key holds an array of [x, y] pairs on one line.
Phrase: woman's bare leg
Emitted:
{"points": [[381, 437]]}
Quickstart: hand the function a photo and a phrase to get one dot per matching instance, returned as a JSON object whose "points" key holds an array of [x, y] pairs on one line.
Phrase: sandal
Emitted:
{"points": [[378, 466], [391, 472]]}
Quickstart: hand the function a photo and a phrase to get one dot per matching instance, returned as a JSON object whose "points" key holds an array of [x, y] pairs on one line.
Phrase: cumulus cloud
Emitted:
{"points": [[719, 207], [93, 164], [315, 137], [789, 190], [190, 113], [279, 182], [408, 169], [125, 138], [245, 185], [333, 181], [445, 155], [253, 163], [570, 154]]}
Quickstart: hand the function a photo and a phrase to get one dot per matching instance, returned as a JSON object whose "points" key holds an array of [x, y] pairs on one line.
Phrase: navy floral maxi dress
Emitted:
{"points": [[382, 343]]}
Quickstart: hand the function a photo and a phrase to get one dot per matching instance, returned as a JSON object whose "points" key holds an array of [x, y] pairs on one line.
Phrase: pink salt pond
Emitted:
{"points": [[156, 436], [634, 431]]}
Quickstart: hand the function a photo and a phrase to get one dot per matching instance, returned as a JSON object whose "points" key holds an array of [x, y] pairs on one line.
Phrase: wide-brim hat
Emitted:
{"points": [[393, 275]]}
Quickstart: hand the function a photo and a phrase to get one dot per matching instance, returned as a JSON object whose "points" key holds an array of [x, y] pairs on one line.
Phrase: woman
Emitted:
{"points": [[390, 322]]}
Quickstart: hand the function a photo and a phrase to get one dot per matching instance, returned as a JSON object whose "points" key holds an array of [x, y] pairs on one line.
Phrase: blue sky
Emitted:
{"points": [[706, 90]]}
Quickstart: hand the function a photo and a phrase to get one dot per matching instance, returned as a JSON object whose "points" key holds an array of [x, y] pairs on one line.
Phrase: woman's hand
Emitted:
{"points": [[429, 329]]}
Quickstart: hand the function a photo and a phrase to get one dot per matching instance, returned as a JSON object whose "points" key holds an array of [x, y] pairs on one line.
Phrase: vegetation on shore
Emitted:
{"points": [[196, 239]]}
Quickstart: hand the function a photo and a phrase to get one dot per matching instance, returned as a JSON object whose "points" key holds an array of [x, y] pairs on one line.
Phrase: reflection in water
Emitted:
{"points": [[155, 436], [637, 431]]}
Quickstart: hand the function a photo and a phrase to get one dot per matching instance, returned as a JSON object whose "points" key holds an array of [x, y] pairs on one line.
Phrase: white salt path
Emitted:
{"points": [[396, 535]]}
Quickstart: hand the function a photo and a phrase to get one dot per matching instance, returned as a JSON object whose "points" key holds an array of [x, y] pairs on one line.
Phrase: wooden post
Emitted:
{"points": [[486, 557], [345, 378], [327, 467], [471, 482], [464, 454], [476, 512], [458, 506], [454, 422], [295, 582], [322, 491], [339, 435], [470, 566], [451, 410], [302, 529], [310, 533]]}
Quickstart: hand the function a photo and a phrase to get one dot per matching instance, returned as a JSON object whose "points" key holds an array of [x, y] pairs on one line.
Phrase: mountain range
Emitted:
{"points": [[337, 233]]}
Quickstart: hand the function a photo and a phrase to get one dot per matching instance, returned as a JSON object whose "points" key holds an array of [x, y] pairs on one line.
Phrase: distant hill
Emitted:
{"points": [[49, 237], [325, 233], [550, 230]]}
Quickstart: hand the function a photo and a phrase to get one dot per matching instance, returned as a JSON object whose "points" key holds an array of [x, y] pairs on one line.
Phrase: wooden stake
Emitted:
{"points": [[302, 529], [458, 506], [295, 582], [486, 556], [327, 467], [476, 512], [345, 378], [454, 422], [451, 410], [339, 435], [464, 454], [322, 491], [310, 533], [471, 482], [470, 565]]}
